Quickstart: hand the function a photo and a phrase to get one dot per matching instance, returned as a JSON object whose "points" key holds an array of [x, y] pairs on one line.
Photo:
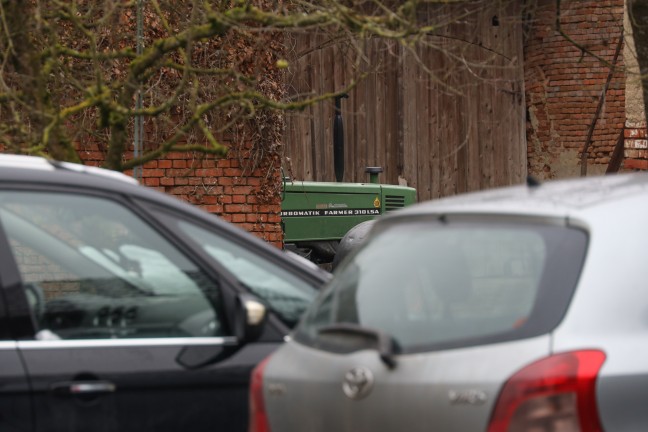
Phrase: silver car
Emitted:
{"points": [[518, 309]]}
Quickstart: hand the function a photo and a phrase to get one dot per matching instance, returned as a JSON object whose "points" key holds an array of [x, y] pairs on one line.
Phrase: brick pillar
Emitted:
{"points": [[636, 143], [636, 146]]}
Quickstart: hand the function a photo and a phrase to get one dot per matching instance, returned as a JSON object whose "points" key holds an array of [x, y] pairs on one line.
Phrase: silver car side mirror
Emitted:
{"points": [[251, 316]]}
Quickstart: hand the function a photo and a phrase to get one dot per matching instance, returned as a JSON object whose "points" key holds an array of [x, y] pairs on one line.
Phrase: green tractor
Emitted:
{"points": [[317, 215]]}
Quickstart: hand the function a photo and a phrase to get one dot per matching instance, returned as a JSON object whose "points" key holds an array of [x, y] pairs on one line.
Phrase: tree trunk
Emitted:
{"points": [[41, 124]]}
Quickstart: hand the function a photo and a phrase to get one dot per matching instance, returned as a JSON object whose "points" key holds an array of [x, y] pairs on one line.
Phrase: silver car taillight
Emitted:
{"points": [[557, 393]]}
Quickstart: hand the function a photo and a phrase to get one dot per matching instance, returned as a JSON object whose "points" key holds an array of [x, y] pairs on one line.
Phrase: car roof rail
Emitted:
{"points": [[37, 162]]}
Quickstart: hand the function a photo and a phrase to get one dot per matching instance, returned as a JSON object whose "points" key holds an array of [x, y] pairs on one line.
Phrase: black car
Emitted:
{"points": [[123, 309]]}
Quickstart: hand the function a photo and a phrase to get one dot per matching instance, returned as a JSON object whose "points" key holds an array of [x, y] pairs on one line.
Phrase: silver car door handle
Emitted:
{"points": [[84, 387]]}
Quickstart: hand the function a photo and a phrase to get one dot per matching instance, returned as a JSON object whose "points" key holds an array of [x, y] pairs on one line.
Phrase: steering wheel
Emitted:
{"points": [[36, 299]]}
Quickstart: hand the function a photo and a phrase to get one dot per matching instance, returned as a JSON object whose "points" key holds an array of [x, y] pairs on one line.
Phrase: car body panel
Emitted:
{"points": [[153, 389], [439, 391], [15, 397], [553, 199], [610, 311], [15, 391]]}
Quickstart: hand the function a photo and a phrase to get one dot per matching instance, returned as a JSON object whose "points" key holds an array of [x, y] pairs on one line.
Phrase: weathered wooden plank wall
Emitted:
{"points": [[445, 116]]}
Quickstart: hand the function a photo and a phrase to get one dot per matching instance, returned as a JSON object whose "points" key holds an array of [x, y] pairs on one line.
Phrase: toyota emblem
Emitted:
{"points": [[358, 383]]}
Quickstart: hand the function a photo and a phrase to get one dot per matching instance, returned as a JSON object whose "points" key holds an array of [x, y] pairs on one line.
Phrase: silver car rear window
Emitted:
{"points": [[434, 285]]}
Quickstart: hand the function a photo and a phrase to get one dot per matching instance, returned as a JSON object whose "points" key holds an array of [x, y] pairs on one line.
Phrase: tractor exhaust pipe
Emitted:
{"points": [[338, 139]]}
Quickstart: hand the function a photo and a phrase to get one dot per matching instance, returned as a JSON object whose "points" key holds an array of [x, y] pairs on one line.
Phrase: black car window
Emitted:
{"points": [[94, 269], [434, 285], [287, 294]]}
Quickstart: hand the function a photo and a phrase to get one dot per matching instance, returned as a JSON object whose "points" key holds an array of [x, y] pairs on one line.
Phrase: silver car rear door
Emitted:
{"points": [[306, 389]]}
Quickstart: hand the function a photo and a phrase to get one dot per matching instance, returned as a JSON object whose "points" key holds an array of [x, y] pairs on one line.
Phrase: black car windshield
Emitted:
{"points": [[432, 284]]}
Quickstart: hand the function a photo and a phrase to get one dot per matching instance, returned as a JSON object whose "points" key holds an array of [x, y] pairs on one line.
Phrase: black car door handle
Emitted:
{"points": [[83, 387]]}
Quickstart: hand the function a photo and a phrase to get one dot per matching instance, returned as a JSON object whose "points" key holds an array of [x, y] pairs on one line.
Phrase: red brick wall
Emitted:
{"points": [[636, 145], [563, 86], [220, 186]]}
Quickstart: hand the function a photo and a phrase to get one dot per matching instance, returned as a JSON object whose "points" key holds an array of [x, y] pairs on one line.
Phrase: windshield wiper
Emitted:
{"points": [[386, 345]]}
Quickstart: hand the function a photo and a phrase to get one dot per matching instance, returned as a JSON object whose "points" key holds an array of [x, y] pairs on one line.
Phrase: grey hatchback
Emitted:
{"points": [[518, 309]]}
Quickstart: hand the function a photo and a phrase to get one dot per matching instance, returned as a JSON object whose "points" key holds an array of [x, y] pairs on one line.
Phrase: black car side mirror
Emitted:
{"points": [[249, 320]]}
